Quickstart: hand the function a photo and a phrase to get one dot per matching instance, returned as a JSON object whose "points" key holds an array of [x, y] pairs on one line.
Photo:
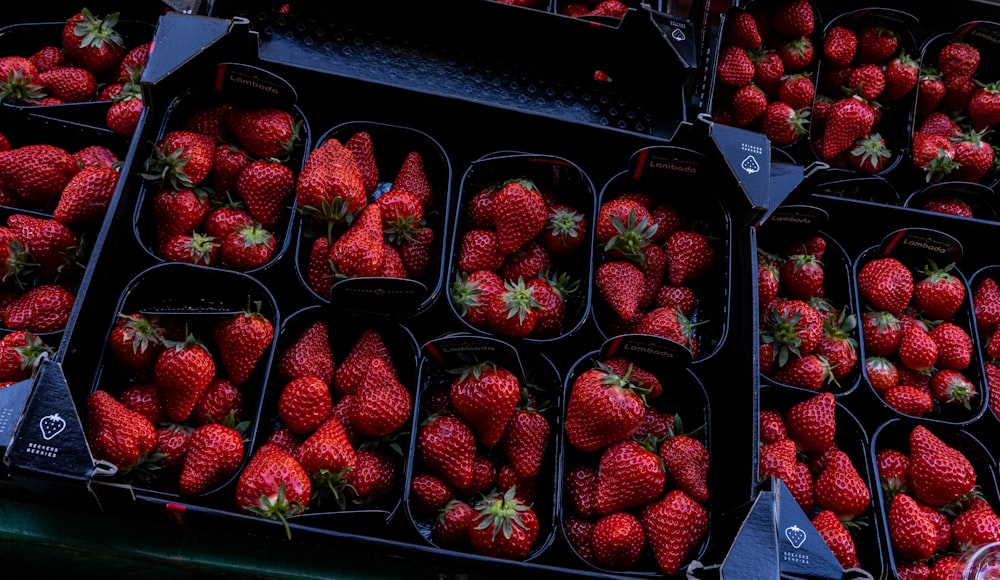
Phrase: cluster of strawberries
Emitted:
{"points": [[764, 78], [361, 226], [918, 353], [91, 63], [935, 508], [590, 8], [651, 262], [956, 112], [517, 260], [865, 69], [338, 420], [986, 309], [179, 422], [480, 461], [807, 340], [798, 445], [220, 187], [635, 481]]}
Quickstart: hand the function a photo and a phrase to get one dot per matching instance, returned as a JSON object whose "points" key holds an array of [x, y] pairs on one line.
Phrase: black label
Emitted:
{"points": [[251, 85], [662, 165], [798, 217], [379, 296], [455, 350], [919, 244], [647, 351]]}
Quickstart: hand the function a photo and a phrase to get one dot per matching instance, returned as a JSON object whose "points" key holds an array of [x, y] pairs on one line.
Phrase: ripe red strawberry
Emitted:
{"points": [[869, 154], [171, 445], [839, 46], [948, 205], [984, 107], [783, 124], [973, 155], [37, 173], [48, 57], [304, 404], [682, 298], [248, 248], [222, 402], [686, 461], [222, 220], [930, 90], [317, 272], [327, 455], [749, 103], [415, 251], [182, 159], [876, 44], [20, 352], [428, 494], [734, 67], [620, 284], [412, 176], [802, 276], [69, 84], [740, 29], [840, 488], [486, 396], [93, 42], [580, 483], [451, 527], [526, 440], [446, 447], [382, 404], [86, 196], [675, 525], [882, 373], [603, 408], [849, 119], [617, 541], [519, 214], [330, 187], [880, 332], [44, 308], [794, 18], [769, 69], [125, 114], [797, 90], [797, 53], [478, 250], [308, 354], [901, 76], [886, 284], [951, 388], [939, 473], [893, 469], [551, 295], [811, 372], [777, 459], [811, 423], [375, 476], [266, 189], [629, 475], [503, 526], [472, 293], [194, 248], [215, 452], [958, 60], [116, 433], [242, 339], [183, 370], [565, 232], [867, 81], [273, 485], [263, 132], [772, 426], [986, 304], [350, 373], [690, 255], [977, 525], [144, 398], [954, 346], [402, 213], [514, 311], [837, 538], [51, 245], [229, 160], [360, 251], [837, 345], [794, 327], [361, 147], [668, 322], [917, 350], [934, 155], [135, 341], [911, 533]]}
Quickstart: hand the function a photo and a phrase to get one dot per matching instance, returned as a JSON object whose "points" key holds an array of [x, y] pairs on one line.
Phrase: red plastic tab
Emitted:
{"points": [[177, 513]]}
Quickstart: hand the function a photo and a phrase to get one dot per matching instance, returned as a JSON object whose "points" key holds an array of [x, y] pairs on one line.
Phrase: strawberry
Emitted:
{"points": [[44, 308], [876, 43], [144, 398], [222, 402], [96, 156], [958, 60], [551, 293], [304, 403], [273, 485], [327, 456], [38, 173], [172, 442], [839, 46], [783, 124], [526, 439], [977, 525], [193, 248], [794, 327], [116, 433], [486, 396], [939, 473], [812, 422], [802, 276], [93, 42], [263, 132], [973, 155], [375, 476], [603, 408], [519, 214], [208, 119], [869, 154], [565, 232], [330, 186], [793, 18], [69, 84], [618, 541], [266, 189], [772, 426], [849, 119], [797, 90], [86, 196], [472, 293], [382, 404], [893, 469], [939, 123], [749, 103], [124, 114], [885, 284], [50, 244], [683, 298], [479, 251], [248, 248], [880, 332], [734, 68], [840, 488], [882, 373], [318, 274], [629, 474], [777, 459], [837, 345], [811, 372], [948, 205], [797, 54], [675, 525], [837, 538], [503, 526], [769, 69], [308, 354], [446, 447], [214, 453], [428, 494], [984, 106], [938, 294], [690, 255], [221, 220], [183, 370], [451, 527], [135, 341], [485, 475], [686, 461], [917, 350], [580, 483], [361, 147], [360, 251], [182, 159], [930, 90], [620, 284], [415, 251], [740, 29], [668, 322], [412, 176], [986, 304], [134, 61], [48, 57], [867, 81], [20, 352], [401, 214], [901, 76], [951, 388], [514, 311], [242, 339], [368, 346], [911, 532]]}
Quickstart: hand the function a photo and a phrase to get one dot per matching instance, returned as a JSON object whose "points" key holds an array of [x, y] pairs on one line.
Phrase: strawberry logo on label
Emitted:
{"points": [[795, 535], [750, 164], [51, 425]]}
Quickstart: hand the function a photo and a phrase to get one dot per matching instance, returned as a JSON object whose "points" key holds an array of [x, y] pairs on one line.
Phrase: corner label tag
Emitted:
{"points": [[663, 165], [455, 350], [748, 155], [794, 219], [918, 244], [647, 350], [254, 86]]}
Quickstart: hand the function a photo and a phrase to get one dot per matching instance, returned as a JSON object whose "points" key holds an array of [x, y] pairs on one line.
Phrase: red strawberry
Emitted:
{"points": [[629, 474], [330, 187], [811, 423], [939, 473], [214, 453], [172, 442], [69, 84], [977, 525], [479, 251], [93, 42], [794, 327], [350, 373], [876, 43], [880, 332], [308, 354], [675, 525], [194, 248], [797, 90], [749, 103], [514, 311], [222, 220], [208, 120], [360, 251], [116, 433], [837, 538], [954, 346], [304, 404], [266, 189], [930, 90], [735, 68], [183, 370], [428, 494], [973, 155], [839, 46], [374, 477], [486, 396], [248, 248], [837, 345], [901, 76], [620, 284], [20, 352], [886, 284], [382, 404], [769, 69], [882, 373], [472, 293], [958, 60], [783, 124], [360, 146], [909, 400], [182, 159], [222, 402], [86, 196], [124, 114], [135, 341], [603, 408], [412, 176], [869, 154], [772, 426], [911, 532], [668, 322], [273, 485], [617, 541], [44, 308], [519, 214], [144, 398], [811, 372], [984, 107], [264, 132], [986, 304], [917, 350], [580, 483], [690, 255], [48, 57], [951, 388], [451, 528], [327, 456], [526, 440], [794, 18], [797, 53], [228, 162], [686, 461], [415, 251], [840, 488], [402, 213], [949, 205], [446, 447], [802, 276], [934, 155], [37, 173], [777, 459], [242, 339], [849, 119], [741, 30], [317, 272], [503, 526]]}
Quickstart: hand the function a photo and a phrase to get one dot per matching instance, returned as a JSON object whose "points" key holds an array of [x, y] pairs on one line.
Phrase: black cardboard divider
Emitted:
{"points": [[672, 175], [536, 373], [371, 296], [685, 397]]}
